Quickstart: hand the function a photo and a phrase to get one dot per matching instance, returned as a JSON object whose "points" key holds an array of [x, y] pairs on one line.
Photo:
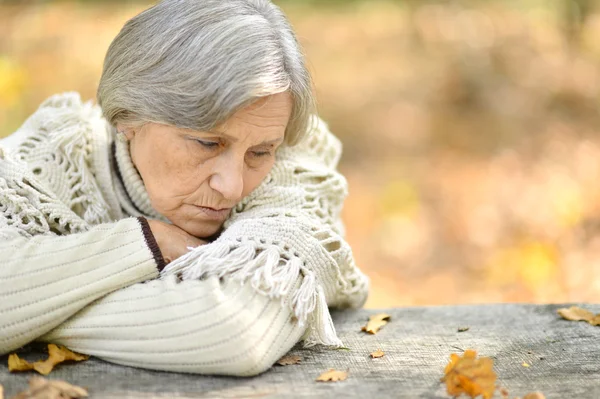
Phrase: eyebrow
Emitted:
{"points": [[234, 139]]}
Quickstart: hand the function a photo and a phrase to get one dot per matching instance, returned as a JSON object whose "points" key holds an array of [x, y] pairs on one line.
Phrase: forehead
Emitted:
{"points": [[269, 115], [266, 111]]}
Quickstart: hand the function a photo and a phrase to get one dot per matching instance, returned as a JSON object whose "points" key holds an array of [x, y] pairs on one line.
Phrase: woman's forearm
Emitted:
{"points": [[213, 326], [46, 279]]}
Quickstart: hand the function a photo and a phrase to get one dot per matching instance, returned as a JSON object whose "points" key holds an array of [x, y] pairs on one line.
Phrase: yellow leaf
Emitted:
{"points": [[575, 313], [377, 353], [470, 375], [288, 360], [15, 363], [56, 355], [376, 322], [333, 375], [51, 389], [525, 364]]}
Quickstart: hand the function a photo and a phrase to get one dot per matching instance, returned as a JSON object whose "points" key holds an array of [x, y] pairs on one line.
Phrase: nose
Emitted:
{"points": [[228, 177]]}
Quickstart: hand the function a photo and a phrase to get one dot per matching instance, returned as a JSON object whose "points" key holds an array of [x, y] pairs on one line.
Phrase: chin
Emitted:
{"points": [[201, 229]]}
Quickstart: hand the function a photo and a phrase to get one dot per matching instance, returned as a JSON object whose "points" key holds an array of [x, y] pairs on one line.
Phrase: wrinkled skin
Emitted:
{"points": [[194, 178]]}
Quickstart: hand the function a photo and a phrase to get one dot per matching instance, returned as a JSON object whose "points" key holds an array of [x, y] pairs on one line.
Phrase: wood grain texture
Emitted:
{"points": [[564, 359]]}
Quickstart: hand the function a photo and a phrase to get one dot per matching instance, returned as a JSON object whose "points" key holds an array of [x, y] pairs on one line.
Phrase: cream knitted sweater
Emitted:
{"points": [[79, 263]]}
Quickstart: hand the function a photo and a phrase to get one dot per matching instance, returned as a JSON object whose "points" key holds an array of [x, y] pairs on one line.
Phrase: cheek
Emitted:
{"points": [[171, 174], [254, 178]]}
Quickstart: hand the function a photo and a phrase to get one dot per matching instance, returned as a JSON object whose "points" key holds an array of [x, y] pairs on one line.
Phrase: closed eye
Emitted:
{"points": [[261, 153], [207, 144]]}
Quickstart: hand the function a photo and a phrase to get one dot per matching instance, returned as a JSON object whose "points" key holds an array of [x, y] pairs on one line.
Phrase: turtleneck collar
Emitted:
{"points": [[131, 191]]}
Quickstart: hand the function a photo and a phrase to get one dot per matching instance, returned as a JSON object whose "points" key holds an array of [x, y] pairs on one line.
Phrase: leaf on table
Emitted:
{"points": [[288, 360], [333, 375], [470, 375], [534, 395], [41, 388], [376, 322], [575, 313], [15, 363], [377, 353], [56, 355]]}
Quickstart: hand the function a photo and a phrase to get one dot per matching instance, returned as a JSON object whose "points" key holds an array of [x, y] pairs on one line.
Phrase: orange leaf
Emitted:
{"points": [[470, 375], [333, 375], [288, 360], [534, 395], [376, 322], [56, 355], [377, 353]]}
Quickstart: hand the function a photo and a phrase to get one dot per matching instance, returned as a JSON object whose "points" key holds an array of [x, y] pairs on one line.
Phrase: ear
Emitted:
{"points": [[129, 132]]}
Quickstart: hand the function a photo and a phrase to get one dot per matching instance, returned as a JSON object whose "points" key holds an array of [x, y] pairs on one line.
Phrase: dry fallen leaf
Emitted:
{"points": [[470, 375], [463, 329], [377, 353], [15, 363], [575, 313], [288, 360], [525, 364], [56, 355], [333, 375], [376, 322], [41, 388], [534, 395]]}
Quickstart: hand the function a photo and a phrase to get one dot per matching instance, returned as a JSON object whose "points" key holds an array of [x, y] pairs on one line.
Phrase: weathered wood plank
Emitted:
{"points": [[564, 359]]}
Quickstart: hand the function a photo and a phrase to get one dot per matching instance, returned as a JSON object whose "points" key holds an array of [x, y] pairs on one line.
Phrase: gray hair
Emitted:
{"points": [[194, 63]]}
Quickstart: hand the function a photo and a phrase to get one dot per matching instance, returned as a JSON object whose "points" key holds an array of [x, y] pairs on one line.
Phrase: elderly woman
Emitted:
{"points": [[190, 222]]}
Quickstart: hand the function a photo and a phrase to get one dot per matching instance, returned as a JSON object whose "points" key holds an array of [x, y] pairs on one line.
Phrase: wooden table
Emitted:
{"points": [[563, 359]]}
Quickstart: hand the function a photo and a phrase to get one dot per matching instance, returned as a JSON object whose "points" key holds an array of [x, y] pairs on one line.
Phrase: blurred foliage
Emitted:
{"points": [[470, 132]]}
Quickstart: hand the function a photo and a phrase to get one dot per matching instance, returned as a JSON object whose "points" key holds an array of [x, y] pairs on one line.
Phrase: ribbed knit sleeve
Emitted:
{"points": [[212, 326], [46, 279]]}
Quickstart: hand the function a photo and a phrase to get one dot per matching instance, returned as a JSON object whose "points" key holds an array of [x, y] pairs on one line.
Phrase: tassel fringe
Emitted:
{"points": [[269, 274]]}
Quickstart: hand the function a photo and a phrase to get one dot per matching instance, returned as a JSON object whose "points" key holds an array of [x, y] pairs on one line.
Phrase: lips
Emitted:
{"points": [[214, 214]]}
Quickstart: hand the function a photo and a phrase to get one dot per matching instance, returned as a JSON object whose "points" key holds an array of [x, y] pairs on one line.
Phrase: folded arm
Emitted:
{"points": [[248, 297], [46, 279], [213, 326]]}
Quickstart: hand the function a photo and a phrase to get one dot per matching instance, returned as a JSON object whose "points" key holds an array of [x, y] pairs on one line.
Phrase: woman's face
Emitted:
{"points": [[194, 178]]}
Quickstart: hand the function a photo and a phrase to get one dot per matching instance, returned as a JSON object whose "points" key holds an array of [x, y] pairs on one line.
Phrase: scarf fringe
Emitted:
{"points": [[69, 132], [269, 273]]}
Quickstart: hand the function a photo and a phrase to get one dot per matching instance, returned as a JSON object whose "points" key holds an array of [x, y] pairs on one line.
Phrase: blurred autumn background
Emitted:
{"points": [[470, 132]]}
